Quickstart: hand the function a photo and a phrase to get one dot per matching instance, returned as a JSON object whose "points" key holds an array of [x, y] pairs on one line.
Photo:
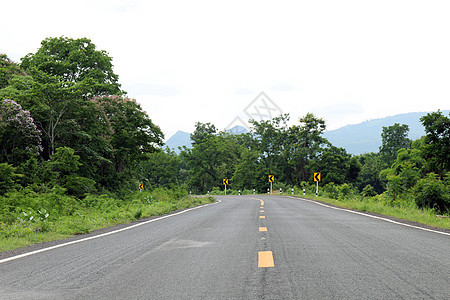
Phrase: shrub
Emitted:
{"points": [[331, 190], [345, 191], [7, 175], [368, 191], [430, 192], [79, 186]]}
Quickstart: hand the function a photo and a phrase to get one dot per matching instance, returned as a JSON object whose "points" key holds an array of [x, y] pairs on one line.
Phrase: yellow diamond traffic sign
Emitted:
{"points": [[271, 178], [225, 181]]}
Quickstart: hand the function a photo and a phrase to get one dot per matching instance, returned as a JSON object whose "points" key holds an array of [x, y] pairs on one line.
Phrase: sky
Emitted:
{"points": [[217, 61]]}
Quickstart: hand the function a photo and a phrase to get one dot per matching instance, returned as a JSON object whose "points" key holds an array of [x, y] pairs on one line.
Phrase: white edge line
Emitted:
{"points": [[370, 216], [103, 234]]}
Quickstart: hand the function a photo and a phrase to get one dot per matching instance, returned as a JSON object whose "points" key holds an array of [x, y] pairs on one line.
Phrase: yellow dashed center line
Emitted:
{"points": [[262, 217], [261, 211], [262, 228], [265, 259]]}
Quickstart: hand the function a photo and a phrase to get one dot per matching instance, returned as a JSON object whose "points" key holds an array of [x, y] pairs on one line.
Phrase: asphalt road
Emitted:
{"points": [[245, 247]]}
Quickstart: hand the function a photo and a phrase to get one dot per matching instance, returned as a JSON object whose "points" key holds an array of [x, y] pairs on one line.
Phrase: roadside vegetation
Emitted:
{"points": [[74, 148]]}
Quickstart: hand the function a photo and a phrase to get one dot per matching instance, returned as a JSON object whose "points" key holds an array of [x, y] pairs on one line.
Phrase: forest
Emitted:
{"points": [[72, 143]]}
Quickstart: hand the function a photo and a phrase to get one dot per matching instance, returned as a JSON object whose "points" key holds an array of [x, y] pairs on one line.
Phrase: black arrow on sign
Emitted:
{"points": [[317, 177]]}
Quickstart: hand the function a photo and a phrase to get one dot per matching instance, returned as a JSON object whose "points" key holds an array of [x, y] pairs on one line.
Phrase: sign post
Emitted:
{"points": [[225, 183], [271, 180], [317, 178]]}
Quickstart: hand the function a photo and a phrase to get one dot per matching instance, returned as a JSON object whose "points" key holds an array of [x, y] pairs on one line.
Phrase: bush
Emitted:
{"points": [[79, 186], [368, 191], [331, 190], [345, 191], [430, 192], [7, 175]]}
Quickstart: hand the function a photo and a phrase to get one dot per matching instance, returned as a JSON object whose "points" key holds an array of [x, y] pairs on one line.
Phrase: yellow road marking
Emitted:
{"points": [[262, 217], [265, 259], [262, 207], [261, 211], [262, 202], [262, 228]]}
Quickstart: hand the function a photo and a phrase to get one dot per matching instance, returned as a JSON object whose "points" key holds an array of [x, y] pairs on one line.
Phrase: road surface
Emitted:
{"points": [[244, 247]]}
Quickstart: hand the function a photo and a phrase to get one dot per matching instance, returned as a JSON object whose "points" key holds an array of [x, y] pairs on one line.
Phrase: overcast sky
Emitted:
{"points": [[207, 61]]}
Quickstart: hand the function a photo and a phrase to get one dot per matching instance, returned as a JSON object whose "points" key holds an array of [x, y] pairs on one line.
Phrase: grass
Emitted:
{"points": [[405, 211], [21, 234]]}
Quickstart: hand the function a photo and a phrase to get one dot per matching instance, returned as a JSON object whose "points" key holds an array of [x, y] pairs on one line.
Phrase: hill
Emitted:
{"points": [[366, 137], [179, 139]]}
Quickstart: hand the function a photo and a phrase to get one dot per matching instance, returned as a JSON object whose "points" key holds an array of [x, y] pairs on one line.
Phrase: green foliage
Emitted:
{"points": [[345, 191], [202, 132], [430, 192], [161, 169], [368, 191], [79, 186], [65, 161], [392, 139], [75, 60], [209, 162], [7, 70], [7, 177], [331, 190], [437, 142]]}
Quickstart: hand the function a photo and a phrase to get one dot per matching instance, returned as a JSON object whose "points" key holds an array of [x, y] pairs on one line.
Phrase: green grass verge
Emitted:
{"points": [[22, 234], [401, 211]]}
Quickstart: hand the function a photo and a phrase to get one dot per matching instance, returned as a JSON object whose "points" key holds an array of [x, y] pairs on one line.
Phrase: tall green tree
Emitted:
{"points": [[133, 132], [304, 142], [76, 61], [210, 161], [268, 139], [393, 138], [202, 132], [437, 142], [160, 169]]}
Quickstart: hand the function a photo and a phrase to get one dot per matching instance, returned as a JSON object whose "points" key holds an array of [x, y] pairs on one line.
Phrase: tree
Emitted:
{"points": [[211, 160], [437, 142], [393, 138], [19, 137], [304, 142], [269, 137], [133, 132], [7, 69], [336, 165], [202, 131], [370, 169], [160, 168], [49, 101], [76, 61], [249, 173]]}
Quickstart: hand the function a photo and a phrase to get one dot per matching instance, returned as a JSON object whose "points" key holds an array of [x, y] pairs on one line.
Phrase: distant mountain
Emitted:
{"points": [[179, 139], [237, 130], [366, 137], [356, 139]]}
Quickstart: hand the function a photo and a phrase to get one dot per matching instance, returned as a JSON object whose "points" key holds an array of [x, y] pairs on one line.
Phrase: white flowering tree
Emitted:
{"points": [[19, 136]]}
